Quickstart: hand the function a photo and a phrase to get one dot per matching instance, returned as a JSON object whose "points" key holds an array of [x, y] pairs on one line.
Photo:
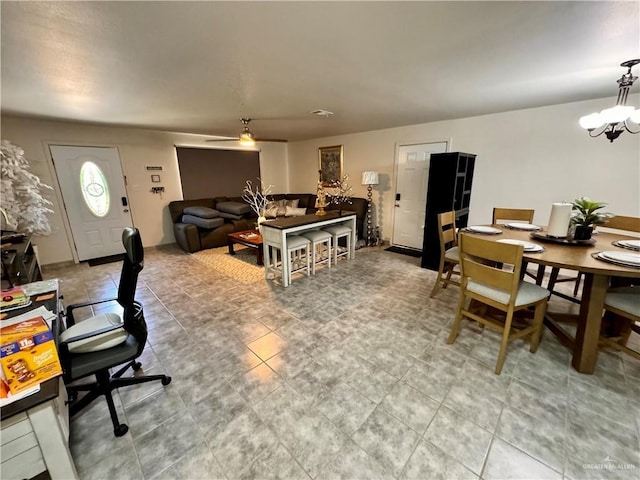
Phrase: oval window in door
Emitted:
{"points": [[95, 190]]}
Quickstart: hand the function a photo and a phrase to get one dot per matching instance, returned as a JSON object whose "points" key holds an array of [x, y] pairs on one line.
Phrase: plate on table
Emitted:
{"points": [[528, 246], [632, 244], [632, 259], [483, 229], [523, 226]]}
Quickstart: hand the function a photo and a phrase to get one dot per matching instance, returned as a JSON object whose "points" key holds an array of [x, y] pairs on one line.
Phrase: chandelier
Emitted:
{"points": [[615, 120]]}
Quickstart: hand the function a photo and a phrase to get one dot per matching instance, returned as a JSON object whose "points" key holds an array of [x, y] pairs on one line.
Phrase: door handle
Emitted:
{"points": [[124, 201], [126, 210]]}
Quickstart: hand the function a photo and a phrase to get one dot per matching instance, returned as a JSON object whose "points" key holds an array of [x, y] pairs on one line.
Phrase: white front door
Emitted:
{"points": [[95, 198], [412, 177]]}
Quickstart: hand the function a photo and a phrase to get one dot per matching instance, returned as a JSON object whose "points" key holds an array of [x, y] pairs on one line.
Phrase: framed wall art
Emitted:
{"points": [[330, 159]]}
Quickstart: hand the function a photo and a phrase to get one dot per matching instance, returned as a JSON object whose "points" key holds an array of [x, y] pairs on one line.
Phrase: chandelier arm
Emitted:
{"points": [[599, 130], [626, 127]]}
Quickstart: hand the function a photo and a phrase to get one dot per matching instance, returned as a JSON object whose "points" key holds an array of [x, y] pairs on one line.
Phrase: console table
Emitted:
{"points": [[274, 234]]}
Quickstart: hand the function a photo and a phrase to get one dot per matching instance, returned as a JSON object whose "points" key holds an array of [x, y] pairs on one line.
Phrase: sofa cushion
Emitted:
{"points": [[294, 212], [202, 212], [208, 223], [235, 208], [231, 216]]}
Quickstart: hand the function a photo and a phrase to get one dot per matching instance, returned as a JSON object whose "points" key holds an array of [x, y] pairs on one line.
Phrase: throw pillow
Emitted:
{"points": [[271, 211], [295, 212], [208, 223], [236, 208], [283, 204], [202, 212]]}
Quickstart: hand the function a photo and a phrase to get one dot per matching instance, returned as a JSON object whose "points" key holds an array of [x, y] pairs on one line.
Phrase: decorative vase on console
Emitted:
{"points": [[261, 218], [257, 200]]}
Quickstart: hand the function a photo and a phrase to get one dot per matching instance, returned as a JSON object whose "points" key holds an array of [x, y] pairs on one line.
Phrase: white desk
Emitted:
{"points": [[274, 234], [35, 429], [37, 440]]}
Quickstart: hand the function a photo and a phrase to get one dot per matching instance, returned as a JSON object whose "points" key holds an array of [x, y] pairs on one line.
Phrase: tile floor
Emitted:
{"points": [[344, 375]]}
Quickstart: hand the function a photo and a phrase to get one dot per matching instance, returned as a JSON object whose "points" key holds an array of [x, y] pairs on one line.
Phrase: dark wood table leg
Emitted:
{"points": [[260, 260], [586, 347], [230, 243]]}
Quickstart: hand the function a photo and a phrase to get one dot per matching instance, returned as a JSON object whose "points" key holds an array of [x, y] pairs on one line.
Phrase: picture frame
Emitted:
{"points": [[330, 163]]}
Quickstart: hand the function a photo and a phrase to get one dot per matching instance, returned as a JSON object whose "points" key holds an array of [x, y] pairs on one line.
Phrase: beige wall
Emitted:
{"points": [[526, 158], [137, 149]]}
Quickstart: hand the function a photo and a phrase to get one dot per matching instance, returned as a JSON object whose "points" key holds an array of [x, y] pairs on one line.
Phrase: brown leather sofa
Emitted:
{"points": [[193, 238]]}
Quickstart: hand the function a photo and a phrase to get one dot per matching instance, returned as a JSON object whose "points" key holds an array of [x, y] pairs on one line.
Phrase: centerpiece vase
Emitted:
{"points": [[583, 232], [261, 219]]}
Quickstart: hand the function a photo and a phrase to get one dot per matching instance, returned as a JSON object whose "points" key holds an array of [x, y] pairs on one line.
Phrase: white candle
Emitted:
{"points": [[559, 220]]}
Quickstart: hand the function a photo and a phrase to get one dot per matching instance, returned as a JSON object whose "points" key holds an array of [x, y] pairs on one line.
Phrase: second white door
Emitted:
{"points": [[95, 198], [411, 193]]}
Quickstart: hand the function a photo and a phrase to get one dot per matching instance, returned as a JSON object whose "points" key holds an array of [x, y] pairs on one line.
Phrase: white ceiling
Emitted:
{"points": [[199, 66]]}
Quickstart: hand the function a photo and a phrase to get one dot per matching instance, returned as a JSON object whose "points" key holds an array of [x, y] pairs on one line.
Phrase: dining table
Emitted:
{"points": [[581, 257]]}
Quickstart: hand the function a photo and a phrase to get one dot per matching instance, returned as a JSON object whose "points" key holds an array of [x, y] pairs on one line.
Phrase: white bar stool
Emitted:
{"points": [[338, 232], [297, 245], [318, 238]]}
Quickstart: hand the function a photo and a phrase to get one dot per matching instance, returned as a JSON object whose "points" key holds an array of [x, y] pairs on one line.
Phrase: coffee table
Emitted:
{"points": [[248, 238]]}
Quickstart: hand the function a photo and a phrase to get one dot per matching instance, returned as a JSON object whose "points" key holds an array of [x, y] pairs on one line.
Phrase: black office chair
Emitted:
{"points": [[94, 345]]}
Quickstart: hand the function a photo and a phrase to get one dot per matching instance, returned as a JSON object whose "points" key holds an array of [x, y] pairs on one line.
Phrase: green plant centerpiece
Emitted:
{"points": [[585, 216]]}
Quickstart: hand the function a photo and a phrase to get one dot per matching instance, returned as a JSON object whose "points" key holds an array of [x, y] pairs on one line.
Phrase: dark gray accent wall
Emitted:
{"points": [[211, 172]]}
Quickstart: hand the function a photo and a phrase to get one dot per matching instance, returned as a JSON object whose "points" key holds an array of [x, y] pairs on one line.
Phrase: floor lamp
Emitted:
{"points": [[369, 179]]}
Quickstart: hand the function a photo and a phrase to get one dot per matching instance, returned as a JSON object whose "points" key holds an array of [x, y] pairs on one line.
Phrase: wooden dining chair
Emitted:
{"points": [[502, 215], [448, 252], [625, 303], [483, 281], [619, 222], [520, 214]]}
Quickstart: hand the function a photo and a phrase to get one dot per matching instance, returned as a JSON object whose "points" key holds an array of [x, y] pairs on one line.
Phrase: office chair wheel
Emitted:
{"points": [[136, 366], [121, 430], [166, 380]]}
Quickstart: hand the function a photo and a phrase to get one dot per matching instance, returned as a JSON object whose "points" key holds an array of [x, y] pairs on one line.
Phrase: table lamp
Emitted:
{"points": [[369, 179]]}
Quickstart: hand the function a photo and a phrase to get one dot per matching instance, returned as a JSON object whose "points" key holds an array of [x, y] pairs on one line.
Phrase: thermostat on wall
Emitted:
{"points": [[153, 167]]}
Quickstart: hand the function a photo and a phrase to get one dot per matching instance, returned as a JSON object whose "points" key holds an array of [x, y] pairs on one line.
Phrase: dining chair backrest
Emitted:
{"points": [[447, 230], [481, 261], [620, 222], [521, 214]]}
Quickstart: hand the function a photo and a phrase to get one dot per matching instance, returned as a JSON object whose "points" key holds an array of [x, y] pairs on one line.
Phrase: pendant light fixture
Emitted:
{"points": [[615, 120]]}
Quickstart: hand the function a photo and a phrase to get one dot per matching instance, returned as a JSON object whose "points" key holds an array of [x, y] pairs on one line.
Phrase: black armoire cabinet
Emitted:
{"points": [[450, 179]]}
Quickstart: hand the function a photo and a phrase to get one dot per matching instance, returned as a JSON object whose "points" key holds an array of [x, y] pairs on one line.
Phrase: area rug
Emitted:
{"points": [[404, 251], [241, 267]]}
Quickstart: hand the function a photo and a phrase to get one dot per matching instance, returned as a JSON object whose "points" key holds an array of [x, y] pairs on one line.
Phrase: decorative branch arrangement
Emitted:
{"points": [[23, 204], [257, 199], [342, 192]]}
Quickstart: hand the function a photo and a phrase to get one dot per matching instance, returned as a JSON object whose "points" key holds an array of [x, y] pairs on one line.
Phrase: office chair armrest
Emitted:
{"points": [[70, 308], [95, 333]]}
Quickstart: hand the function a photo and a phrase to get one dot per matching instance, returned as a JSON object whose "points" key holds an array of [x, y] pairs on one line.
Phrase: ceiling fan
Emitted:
{"points": [[246, 137]]}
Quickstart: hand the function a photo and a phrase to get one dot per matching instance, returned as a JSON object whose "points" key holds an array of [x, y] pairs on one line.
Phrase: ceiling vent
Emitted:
{"points": [[321, 113]]}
